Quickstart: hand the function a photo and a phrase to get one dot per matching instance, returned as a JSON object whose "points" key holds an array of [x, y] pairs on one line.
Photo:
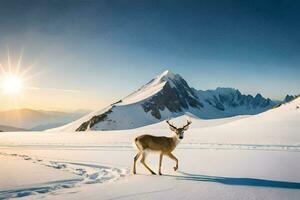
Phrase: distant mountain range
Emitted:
{"points": [[167, 96], [10, 129], [28, 119]]}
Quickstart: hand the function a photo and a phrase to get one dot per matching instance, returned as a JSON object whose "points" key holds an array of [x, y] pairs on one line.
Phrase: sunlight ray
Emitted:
{"points": [[24, 73], [31, 76], [9, 62], [19, 62], [3, 72]]}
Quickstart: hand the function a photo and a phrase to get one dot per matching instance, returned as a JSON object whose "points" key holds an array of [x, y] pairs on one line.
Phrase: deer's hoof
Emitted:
{"points": [[175, 168], [153, 173], [160, 173]]}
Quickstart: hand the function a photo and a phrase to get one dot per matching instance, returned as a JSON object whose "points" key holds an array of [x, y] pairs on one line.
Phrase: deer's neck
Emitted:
{"points": [[175, 140]]}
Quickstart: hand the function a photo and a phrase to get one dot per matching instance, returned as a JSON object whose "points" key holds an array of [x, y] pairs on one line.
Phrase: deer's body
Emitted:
{"points": [[162, 145]]}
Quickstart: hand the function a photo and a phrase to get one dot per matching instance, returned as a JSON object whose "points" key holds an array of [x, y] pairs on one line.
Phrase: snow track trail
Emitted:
{"points": [[86, 173]]}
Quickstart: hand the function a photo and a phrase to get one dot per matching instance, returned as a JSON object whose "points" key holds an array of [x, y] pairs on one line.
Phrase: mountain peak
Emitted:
{"points": [[166, 75]]}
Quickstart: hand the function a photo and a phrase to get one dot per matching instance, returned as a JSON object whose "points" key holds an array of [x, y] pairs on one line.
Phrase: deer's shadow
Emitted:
{"points": [[237, 181]]}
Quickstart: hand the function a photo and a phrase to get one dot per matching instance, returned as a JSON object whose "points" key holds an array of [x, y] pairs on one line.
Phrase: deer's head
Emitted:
{"points": [[179, 131]]}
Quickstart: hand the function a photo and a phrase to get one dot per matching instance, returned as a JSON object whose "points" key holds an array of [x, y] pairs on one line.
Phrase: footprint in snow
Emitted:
{"points": [[57, 165], [80, 171], [94, 176]]}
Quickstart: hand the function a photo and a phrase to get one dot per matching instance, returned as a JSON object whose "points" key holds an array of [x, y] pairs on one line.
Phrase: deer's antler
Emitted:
{"points": [[188, 122], [171, 125]]}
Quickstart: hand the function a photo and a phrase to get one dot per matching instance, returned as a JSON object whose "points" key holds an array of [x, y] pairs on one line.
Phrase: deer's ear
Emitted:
{"points": [[172, 129]]}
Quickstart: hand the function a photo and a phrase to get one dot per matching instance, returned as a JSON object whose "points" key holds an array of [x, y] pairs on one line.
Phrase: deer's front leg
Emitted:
{"points": [[175, 159], [160, 162]]}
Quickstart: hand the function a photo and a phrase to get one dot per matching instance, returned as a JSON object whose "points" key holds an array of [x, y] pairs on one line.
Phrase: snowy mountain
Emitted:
{"points": [[226, 102], [167, 96]]}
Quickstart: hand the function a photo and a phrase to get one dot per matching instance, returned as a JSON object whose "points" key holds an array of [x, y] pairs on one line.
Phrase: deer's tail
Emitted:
{"points": [[135, 144]]}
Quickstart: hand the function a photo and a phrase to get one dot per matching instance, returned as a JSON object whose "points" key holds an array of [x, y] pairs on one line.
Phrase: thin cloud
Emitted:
{"points": [[53, 89]]}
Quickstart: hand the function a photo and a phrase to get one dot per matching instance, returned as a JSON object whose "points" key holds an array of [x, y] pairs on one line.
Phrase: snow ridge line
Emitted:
{"points": [[183, 145]]}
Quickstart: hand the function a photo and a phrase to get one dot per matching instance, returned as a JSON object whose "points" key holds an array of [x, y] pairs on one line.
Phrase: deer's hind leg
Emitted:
{"points": [[135, 159], [144, 163], [160, 162]]}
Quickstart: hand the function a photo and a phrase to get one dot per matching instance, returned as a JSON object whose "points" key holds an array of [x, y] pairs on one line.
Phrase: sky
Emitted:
{"points": [[88, 54]]}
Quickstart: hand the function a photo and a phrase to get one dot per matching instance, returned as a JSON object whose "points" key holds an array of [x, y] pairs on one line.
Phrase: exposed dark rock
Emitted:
{"points": [[289, 98], [223, 98], [219, 106], [94, 120], [120, 101], [175, 99], [277, 105]]}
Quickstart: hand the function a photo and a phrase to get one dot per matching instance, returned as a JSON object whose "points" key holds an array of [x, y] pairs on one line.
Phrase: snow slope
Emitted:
{"points": [[148, 90], [276, 126], [168, 96]]}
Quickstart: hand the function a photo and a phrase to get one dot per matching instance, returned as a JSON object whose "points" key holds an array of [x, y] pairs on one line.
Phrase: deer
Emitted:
{"points": [[160, 144]]}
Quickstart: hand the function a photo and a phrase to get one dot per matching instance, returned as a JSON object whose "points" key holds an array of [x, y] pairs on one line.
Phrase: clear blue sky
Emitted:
{"points": [[107, 49]]}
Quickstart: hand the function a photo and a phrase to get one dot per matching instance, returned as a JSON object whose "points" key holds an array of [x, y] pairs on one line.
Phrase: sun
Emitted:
{"points": [[12, 84], [14, 78]]}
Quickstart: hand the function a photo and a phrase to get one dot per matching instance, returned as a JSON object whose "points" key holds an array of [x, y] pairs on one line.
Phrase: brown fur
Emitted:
{"points": [[156, 143]]}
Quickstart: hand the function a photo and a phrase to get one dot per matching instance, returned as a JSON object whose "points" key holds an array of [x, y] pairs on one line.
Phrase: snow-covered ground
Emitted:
{"points": [[252, 157]]}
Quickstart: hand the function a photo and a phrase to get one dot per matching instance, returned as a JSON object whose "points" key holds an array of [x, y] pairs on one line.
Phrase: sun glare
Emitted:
{"points": [[13, 79], [12, 84]]}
